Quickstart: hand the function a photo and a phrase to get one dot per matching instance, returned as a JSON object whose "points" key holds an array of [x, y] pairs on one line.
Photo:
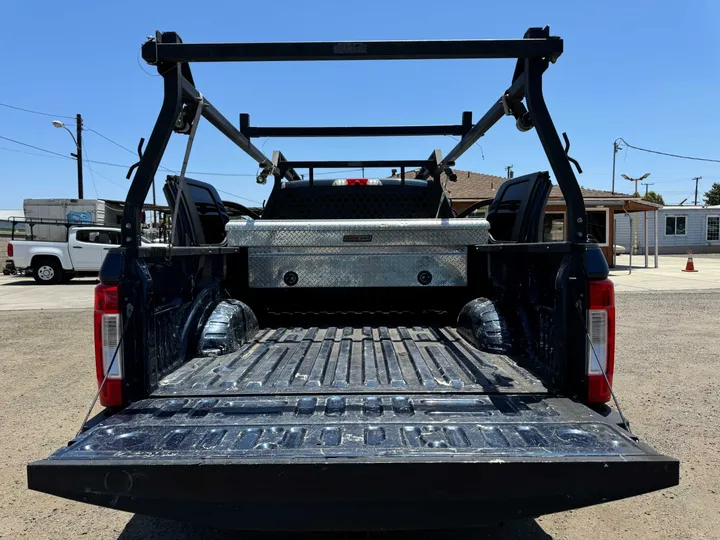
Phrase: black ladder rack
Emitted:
{"points": [[534, 52]]}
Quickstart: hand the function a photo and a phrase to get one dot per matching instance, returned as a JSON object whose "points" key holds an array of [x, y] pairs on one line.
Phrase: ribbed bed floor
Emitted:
{"points": [[351, 360]]}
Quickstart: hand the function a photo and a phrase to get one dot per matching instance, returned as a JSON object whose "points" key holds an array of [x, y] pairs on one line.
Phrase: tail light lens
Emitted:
{"points": [[10, 250], [108, 329], [357, 182], [601, 345]]}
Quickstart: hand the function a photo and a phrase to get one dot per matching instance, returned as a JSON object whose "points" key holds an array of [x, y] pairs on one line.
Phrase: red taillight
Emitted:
{"points": [[10, 250], [108, 329], [601, 345]]}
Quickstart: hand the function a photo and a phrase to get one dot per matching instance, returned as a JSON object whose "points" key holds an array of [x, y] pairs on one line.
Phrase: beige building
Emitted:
{"points": [[601, 206]]}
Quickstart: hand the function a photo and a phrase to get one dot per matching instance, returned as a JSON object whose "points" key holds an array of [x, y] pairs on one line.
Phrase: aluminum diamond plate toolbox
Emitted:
{"points": [[382, 266], [372, 232], [358, 253]]}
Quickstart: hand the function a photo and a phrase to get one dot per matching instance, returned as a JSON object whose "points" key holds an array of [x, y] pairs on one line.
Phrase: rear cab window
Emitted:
{"points": [[99, 236]]}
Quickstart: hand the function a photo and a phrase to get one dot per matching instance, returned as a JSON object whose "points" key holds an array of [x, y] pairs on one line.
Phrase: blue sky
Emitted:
{"points": [[646, 71]]}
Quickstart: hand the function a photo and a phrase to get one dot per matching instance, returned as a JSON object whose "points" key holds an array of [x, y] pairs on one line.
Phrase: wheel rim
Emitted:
{"points": [[46, 273]]}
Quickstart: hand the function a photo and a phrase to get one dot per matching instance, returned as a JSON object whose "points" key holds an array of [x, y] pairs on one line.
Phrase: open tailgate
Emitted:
{"points": [[353, 462]]}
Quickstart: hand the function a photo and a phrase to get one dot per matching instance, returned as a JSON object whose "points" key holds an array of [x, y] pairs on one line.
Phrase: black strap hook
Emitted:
{"points": [[567, 148], [135, 165]]}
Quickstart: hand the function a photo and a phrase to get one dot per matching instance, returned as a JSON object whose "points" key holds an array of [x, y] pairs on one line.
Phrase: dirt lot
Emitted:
{"points": [[666, 378]]}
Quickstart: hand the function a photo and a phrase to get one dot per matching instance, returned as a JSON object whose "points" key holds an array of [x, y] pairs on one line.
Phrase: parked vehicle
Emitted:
{"points": [[56, 262], [355, 357], [81, 253]]}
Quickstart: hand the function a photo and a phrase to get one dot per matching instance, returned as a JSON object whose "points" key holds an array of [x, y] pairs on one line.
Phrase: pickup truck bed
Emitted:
{"points": [[427, 430], [351, 360]]}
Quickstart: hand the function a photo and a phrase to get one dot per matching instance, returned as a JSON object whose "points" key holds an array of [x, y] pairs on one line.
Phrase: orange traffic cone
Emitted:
{"points": [[690, 266]]}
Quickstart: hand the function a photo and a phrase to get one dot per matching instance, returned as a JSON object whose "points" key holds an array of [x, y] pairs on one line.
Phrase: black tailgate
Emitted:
{"points": [[353, 462]]}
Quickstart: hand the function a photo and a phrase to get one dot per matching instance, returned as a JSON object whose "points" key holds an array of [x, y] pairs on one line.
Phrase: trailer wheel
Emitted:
{"points": [[47, 272]]}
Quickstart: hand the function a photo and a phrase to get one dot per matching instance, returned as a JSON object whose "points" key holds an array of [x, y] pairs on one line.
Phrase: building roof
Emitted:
{"points": [[690, 207], [588, 193], [472, 186]]}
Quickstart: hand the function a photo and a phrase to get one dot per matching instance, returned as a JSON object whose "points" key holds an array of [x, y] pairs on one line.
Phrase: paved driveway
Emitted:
{"points": [[22, 293], [668, 276]]}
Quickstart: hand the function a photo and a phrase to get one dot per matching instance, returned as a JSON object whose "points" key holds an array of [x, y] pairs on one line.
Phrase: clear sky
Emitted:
{"points": [[646, 71]]}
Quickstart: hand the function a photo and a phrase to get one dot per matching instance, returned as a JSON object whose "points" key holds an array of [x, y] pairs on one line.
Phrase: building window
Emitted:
{"points": [[675, 225], [713, 229], [554, 227], [598, 226]]}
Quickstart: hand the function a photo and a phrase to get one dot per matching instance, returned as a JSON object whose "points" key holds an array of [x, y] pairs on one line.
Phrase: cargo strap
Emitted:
{"points": [[181, 181]]}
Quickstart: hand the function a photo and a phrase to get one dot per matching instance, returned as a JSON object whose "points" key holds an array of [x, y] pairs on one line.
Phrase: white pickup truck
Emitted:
{"points": [[56, 262]]}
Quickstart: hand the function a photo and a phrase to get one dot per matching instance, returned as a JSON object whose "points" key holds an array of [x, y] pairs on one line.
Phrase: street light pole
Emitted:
{"points": [[78, 149]]}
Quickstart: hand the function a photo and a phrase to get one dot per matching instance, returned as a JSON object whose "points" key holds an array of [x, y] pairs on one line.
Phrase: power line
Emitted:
{"points": [[35, 112], [109, 164], [693, 158], [124, 166], [238, 196], [337, 172], [31, 146], [111, 141], [106, 178], [34, 153], [71, 118], [215, 173], [92, 176]]}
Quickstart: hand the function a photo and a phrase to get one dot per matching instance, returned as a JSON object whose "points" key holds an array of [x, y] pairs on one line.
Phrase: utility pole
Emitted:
{"points": [[645, 218], [509, 170], [78, 120], [78, 148], [616, 149], [697, 179]]}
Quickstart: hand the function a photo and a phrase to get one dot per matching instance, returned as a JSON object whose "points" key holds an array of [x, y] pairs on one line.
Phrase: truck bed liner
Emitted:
{"points": [[405, 427], [351, 360]]}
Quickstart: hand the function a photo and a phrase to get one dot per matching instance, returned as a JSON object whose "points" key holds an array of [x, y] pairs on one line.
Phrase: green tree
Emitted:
{"points": [[654, 197], [712, 197]]}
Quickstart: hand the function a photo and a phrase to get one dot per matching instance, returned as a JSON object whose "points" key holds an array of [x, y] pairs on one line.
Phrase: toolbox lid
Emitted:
{"points": [[375, 232]]}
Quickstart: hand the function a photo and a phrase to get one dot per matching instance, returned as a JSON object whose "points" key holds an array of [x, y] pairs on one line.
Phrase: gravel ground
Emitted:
{"points": [[666, 379]]}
